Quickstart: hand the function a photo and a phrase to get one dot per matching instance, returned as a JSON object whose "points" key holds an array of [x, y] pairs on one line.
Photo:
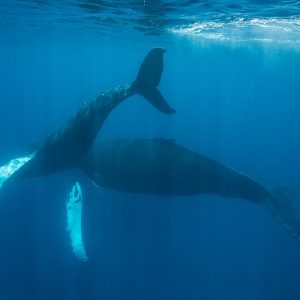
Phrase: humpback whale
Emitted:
{"points": [[164, 168], [68, 145]]}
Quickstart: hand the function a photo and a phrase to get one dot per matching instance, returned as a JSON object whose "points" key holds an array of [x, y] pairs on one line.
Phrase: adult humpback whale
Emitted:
{"points": [[65, 147], [162, 167]]}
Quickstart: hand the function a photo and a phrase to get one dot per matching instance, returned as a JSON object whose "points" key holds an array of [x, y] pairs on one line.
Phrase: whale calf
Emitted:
{"points": [[65, 147], [164, 168]]}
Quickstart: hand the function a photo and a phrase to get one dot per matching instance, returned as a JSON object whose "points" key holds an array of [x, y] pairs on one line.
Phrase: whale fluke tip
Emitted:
{"points": [[148, 79]]}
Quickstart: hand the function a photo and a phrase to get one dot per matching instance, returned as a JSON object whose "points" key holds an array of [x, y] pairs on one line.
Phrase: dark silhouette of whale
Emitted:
{"points": [[162, 167], [68, 145]]}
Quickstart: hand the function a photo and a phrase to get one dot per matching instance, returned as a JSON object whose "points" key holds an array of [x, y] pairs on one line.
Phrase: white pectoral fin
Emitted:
{"points": [[12, 166], [74, 214]]}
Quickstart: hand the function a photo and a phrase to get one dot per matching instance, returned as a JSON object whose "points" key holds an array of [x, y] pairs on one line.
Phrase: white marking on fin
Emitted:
{"points": [[12, 166]]}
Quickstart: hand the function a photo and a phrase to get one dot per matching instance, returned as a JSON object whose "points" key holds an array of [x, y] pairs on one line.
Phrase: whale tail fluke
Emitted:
{"points": [[148, 78], [282, 210]]}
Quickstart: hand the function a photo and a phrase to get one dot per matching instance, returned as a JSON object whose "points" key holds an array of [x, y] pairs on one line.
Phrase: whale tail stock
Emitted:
{"points": [[280, 206], [148, 78]]}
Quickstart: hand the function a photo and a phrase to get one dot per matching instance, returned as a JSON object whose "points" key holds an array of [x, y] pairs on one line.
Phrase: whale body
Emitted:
{"points": [[67, 146], [162, 167]]}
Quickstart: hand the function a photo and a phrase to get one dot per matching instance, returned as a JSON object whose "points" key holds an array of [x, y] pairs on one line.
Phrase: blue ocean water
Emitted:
{"points": [[232, 71]]}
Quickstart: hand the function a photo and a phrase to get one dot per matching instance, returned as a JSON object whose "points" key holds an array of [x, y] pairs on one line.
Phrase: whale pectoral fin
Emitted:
{"points": [[74, 214], [157, 100], [12, 167], [148, 78], [96, 179]]}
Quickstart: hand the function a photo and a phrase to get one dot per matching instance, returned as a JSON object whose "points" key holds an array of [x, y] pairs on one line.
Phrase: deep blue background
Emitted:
{"points": [[235, 103]]}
